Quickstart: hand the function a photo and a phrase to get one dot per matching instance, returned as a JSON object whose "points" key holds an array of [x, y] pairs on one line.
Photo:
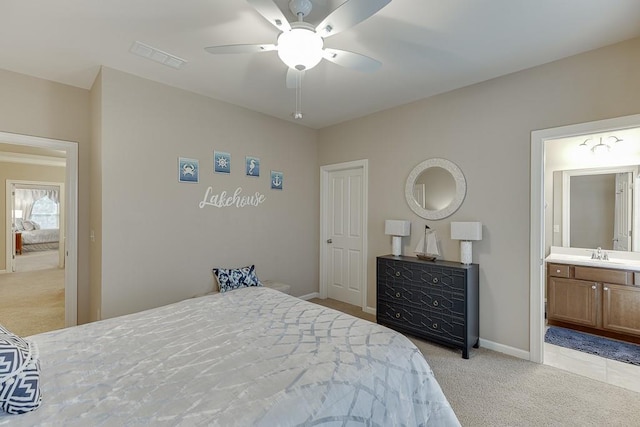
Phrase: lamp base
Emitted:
{"points": [[465, 252], [396, 246]]}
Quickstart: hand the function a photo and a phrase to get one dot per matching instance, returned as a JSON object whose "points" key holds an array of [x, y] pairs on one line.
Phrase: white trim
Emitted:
{"points": [[370, 310], [501, 348], [324, 197], [32, 159], [536, 279], [71, 209], [312, 295]]}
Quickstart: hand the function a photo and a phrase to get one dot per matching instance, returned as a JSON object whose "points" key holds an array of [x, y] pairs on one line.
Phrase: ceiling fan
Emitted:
{"points": [[301, 45]]}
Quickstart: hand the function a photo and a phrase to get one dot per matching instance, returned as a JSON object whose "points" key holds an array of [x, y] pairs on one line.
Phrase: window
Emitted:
{"points": [[46, 213]]}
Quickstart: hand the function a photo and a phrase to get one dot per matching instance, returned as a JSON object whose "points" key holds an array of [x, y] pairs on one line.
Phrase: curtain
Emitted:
{"points": [[26, 197]]}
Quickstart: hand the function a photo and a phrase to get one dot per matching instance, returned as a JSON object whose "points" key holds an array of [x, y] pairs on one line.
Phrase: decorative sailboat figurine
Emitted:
{"points": [[427, 248]]}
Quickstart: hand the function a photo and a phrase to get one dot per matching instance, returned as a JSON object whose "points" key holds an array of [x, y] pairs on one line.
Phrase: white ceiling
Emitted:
{"points": [[426, 47]]}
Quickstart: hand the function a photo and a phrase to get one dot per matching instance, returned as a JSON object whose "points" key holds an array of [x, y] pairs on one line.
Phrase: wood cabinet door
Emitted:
{"points": [[574, 301], [621, 308]]}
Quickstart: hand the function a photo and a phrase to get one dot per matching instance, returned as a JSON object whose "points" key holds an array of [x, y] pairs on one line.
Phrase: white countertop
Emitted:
{"points": [[618, 260]]}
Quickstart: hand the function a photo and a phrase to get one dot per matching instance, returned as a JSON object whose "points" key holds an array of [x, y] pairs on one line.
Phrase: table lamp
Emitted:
{"points": [[466, 232], [397, 228]]}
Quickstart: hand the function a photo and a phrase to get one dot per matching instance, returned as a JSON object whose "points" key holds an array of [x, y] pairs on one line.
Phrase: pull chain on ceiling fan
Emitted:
{"points": [[301, 46]]}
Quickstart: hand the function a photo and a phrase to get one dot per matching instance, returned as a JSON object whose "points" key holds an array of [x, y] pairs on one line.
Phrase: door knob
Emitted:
{"points": [[329, 241]]}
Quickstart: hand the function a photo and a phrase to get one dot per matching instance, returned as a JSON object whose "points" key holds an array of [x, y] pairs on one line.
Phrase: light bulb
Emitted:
{"points": [[300, 48]]}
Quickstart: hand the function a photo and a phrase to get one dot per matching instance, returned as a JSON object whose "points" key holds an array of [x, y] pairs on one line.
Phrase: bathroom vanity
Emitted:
{"points": [[599, 296]]}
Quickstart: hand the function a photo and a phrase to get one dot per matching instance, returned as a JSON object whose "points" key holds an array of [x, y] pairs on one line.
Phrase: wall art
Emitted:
{"points": [[228, 200], [277, 179], [252, 166], [188, 170], [221, 162]]}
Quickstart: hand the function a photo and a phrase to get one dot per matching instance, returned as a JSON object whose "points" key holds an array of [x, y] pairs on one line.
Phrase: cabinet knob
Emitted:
{"points": [[397, 273], [557, 271], [436, 303], [435, 280], [435, 326], [606, 288], [397, 315], [593, 286], [397, 294]]}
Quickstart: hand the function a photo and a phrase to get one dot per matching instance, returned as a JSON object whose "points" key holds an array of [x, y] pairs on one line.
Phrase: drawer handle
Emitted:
{"points": [[397, 274], [435, 280], [397, 294], [557, 271], [435, 326], [397, 315], [436, 303]]}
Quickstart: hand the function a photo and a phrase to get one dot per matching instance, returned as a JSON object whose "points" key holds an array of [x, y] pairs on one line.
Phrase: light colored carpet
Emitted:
{"points": [[32, 302], [493, 389], [41, 260]]}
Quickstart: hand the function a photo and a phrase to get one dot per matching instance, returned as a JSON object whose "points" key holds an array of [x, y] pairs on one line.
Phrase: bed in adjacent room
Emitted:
{"points": [[35, 238], [248, 357]]}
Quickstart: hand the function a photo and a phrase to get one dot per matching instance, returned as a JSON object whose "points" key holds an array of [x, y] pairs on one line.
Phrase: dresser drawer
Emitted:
{"points": [[604, 275], [430, 322], [420, 275], [423, 297]]}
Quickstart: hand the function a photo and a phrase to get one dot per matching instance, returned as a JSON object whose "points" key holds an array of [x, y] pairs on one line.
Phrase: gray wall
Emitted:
{"points": [[37, 107], [157, 245], [486, 130]]}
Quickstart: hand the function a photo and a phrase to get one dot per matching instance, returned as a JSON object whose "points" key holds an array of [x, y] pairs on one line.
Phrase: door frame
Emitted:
{"points": [[10, 187], [324, 201], [537, 225], [71, 209]]}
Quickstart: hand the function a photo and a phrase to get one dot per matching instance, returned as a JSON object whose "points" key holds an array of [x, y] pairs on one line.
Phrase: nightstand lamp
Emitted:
{"points": [[398, 229], [466, 232]]}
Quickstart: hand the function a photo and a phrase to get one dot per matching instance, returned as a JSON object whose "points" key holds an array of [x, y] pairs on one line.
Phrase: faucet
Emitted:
{"points": [[599, 254]]}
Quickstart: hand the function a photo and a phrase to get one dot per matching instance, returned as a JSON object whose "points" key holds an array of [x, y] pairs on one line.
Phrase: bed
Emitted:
{"points": [[35, 238], [248, 357]]}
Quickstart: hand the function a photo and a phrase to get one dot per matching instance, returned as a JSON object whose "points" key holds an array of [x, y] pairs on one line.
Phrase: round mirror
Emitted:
{"points": [[435, 189]]}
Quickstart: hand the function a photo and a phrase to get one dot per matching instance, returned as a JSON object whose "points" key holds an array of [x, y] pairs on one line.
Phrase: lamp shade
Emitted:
{"points": [[466, 230], [397, 227]]}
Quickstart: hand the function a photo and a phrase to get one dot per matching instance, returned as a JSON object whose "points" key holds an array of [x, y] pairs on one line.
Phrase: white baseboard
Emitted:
{"points": [[3, 271], [501, 348], [310, 296], [370, 310]]}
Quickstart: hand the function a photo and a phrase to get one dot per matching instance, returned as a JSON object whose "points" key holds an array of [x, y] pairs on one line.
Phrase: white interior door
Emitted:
{"points": [[345, 260], [622, 217]]}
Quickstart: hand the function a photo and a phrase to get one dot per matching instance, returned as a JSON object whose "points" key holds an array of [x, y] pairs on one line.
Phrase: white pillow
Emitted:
{"points": [[28, 225]]}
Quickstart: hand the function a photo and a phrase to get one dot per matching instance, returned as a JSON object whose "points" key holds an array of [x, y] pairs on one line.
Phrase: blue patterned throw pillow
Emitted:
{"points": [[19, 374], [235, 278]]}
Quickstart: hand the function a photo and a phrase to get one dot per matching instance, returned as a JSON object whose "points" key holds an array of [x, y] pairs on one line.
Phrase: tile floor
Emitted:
{"points": [[598, 368]]}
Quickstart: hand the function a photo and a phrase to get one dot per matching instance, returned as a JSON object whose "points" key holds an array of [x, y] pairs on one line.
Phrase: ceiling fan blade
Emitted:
{"points": [[240, 48], [294, 77], [349, 14], [355, 61], [270, 11]]}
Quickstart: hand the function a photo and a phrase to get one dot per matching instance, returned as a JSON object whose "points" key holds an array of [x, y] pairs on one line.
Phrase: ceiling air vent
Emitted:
{"points": [[164, 58]]}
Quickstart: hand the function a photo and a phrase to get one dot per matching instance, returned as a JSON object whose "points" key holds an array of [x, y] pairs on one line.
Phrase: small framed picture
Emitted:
{"points": [[252, 166], [188, 170], [221, 162], [277, 179]]}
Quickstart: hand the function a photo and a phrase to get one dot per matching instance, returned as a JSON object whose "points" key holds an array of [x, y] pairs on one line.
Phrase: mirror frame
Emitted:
{"points": [[461, 188]]}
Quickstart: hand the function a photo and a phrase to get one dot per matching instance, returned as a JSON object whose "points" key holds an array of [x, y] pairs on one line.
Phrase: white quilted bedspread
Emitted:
{"points": [[249, 357]]}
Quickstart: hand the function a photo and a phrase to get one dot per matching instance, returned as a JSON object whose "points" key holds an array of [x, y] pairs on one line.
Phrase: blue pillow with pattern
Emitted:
{"points": [[19, 374], [235, 278]]}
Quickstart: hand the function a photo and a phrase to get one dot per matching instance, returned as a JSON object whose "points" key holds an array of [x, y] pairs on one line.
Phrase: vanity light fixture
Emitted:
{"points": [[466, 232], [600, 147], [398, 229]]}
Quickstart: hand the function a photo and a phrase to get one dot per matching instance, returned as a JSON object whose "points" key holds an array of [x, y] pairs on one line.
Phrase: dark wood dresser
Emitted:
{"points": [[435, 300]]}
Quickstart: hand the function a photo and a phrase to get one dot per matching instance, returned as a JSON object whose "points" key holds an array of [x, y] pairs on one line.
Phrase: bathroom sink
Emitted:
{"points": [[615, 263]]}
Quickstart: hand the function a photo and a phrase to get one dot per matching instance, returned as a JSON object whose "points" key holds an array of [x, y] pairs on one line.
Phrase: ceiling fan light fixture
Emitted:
{"points": [[300, 48]]}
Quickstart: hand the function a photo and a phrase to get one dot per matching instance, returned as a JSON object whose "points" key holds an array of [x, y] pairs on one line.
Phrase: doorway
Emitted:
{"points": [[546, 230], [69, 239], [343, 232]]}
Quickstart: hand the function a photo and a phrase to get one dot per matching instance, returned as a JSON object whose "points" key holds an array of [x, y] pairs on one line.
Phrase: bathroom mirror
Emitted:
{"points": [[435, 189], [598, 208]]}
